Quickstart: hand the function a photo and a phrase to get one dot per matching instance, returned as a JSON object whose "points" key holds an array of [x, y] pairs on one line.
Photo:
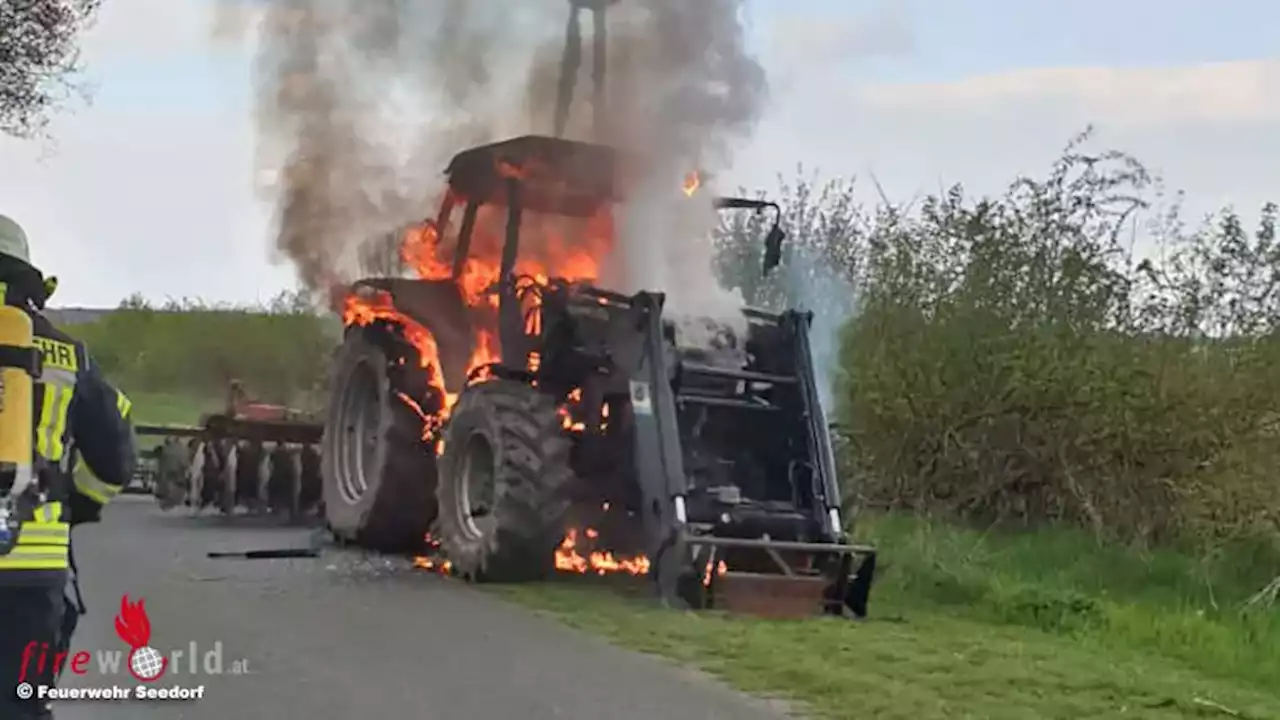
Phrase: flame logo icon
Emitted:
{"points": [[146, 664]]}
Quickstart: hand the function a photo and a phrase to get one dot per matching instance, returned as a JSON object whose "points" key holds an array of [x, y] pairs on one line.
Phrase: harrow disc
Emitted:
{"points": [[173, 463], [234, 476], [281, 472]]}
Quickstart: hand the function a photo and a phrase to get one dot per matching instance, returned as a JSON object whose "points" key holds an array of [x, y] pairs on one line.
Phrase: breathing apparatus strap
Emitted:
{"points": [[27, 359]]}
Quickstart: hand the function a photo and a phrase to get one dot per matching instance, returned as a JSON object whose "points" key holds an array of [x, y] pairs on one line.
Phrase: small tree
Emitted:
{"points": [[820, 261], [39, 59]]}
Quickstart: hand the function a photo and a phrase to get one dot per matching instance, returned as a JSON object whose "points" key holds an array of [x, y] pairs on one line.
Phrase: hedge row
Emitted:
{"points": [[280, 351], [1069, 351]]}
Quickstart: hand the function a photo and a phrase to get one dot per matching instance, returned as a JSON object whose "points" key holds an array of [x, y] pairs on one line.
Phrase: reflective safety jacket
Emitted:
{"points": [[77, 413]]}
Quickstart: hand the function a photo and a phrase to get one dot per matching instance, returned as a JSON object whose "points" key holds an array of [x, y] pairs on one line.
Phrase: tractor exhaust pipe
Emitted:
{"points": [[571, 63]]}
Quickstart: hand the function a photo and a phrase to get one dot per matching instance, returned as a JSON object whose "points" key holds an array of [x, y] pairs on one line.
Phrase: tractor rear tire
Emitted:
{"points": [[504, 482], [378, 475]]}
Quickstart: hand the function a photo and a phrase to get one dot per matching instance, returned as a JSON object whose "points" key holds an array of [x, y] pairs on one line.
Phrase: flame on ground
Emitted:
{"points": [[570, 559], [444, 567], [430, 562]]}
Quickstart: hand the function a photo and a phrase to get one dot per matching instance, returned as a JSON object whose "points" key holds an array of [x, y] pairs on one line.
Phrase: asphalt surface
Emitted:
{"points": [[347, 635]]}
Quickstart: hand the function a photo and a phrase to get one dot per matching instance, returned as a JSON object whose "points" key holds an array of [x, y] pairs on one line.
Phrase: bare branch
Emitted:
{"points": [[39, 60]]}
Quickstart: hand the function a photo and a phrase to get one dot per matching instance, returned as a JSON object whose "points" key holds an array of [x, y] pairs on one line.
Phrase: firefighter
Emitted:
{"points": [[76, 413]]}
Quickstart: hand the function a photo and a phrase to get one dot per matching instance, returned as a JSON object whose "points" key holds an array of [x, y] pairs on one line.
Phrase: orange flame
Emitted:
{"points": [[434, 564], [692, 181], [444, 567], [720, 569], [569, 559], [552, 249]]}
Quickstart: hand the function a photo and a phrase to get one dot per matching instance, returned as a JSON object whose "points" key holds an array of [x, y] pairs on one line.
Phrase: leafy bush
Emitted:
{"points": [[280, 351], [1062, 581], [1012, 361]]}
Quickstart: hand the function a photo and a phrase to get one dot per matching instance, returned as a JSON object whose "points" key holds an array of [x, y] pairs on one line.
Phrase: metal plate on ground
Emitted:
{"points": [[771, 596]]}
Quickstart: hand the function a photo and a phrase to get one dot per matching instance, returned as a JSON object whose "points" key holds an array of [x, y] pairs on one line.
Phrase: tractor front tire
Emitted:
{"points": [[378, 475], [504, 479]]}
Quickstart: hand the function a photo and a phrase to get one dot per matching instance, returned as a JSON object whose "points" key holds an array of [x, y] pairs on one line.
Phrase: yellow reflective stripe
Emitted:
{"points": [[46, 417], [53, 420], [51, 513], [94, 489], [123, 404], [36, 557], [48, 537], [60, 420], [25, 558], [47, 529]]}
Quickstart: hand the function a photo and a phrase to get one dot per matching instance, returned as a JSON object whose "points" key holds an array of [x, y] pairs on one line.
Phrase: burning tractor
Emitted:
{"points": [[526, 422], [251, 456]]}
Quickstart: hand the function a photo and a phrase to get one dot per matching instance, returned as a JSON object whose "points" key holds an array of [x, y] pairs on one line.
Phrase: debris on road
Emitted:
{"points": [[268, 554]]}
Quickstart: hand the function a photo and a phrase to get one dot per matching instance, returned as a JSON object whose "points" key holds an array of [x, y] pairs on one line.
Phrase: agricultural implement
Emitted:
{"points": [[524, 423], [252, 457]]}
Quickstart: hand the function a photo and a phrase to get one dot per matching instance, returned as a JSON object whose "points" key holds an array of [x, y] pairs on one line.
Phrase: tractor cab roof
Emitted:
{"points": [[556, 176]]}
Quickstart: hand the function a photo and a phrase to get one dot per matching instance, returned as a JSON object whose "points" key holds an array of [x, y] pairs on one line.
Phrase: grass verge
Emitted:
{"points": [[171, 409], [977, 625], [927, 665]]}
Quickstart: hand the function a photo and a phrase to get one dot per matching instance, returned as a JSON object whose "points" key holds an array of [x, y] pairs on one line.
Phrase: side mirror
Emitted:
{"points": [[772, 241], [773, 248], [50, 286]]}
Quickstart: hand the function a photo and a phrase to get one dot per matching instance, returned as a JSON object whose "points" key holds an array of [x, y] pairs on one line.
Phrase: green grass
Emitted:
{"points": [[279, 357], [170, 408], [923, 665], [1065, 582], [978, 625], [151, 408]]}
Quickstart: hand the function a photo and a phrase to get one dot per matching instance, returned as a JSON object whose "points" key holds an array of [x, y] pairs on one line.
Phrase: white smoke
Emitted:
{"points": [[833, 299]]}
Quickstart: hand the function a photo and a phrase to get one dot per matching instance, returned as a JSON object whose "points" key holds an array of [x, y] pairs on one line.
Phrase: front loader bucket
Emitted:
{"points": [[771, 596], [786, 579]]}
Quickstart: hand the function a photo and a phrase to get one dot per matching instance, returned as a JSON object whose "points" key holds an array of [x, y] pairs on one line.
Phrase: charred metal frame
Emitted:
{"points": [[641, 369]]}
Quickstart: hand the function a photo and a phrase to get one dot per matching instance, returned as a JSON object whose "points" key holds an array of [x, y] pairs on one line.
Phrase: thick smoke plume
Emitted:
{"points": [[360, 103]]}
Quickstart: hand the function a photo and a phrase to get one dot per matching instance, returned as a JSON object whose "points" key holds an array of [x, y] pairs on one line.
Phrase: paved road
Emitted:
{"points": [[351, 636]]}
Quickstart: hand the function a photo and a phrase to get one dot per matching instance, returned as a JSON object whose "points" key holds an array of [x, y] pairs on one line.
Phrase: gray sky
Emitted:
{"points": [[152, 187]]}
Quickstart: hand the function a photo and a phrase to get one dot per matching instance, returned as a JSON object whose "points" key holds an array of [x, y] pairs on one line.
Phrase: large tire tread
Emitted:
{"points": [[397, 508], [532, 474]]}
